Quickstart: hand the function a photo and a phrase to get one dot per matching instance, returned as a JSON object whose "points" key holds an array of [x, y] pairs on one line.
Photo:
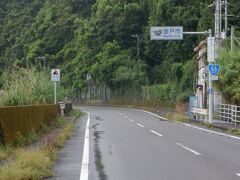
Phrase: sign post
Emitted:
{"points": [[55, 91], [211, 59], [55, 77], [166, 33], [176, 33]]}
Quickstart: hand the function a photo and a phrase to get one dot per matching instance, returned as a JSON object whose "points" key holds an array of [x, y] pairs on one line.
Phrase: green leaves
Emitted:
{"points": [[25, 87], [94, 37], [114, 67], [229, 75]]}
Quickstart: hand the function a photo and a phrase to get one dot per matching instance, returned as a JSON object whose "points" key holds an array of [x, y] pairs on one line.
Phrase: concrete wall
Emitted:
{"points": [[22, 119]]}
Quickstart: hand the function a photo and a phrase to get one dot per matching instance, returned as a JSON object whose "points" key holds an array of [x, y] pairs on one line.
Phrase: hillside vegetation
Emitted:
{"points": [[94, 37]]}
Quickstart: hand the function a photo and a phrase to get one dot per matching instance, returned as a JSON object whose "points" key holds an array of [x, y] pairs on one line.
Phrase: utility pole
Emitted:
{"points": [[220, 17], [211, 58], [138, 44], [232, 38], [226, 15], [218, 22]]}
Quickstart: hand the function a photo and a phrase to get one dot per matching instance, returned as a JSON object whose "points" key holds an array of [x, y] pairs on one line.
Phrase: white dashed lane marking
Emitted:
{"points": [[189, 149], [154, 132], [140, 125]]}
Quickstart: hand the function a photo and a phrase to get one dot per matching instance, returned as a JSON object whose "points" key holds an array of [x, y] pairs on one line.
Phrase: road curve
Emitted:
{"points": [[129, 144]]}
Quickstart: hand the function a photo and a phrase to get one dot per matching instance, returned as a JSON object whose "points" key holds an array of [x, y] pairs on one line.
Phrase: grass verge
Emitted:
{"points": [[5, 152], [178, 117], [28, 164], [36, 163], [235, 132], [75, 113], [185, 119]]}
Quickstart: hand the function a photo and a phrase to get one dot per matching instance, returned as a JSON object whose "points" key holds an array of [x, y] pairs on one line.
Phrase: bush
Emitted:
{"points": [[229, 78], [28, 87], [162, 92]]}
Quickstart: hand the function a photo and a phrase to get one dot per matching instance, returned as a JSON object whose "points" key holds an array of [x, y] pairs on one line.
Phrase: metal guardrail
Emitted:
{"points": [[199, 114], [229, 113]]}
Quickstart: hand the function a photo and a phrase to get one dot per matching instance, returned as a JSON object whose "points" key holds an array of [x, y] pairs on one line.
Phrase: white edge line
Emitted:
{"points": [[140, 125], [154, 114], [189, 149], [211, 132], [85, 158], [195, 127], [238, 174], [154, 132]]}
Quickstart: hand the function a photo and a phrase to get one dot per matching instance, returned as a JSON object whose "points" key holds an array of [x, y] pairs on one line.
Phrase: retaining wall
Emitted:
{"points": [[16, 120]]}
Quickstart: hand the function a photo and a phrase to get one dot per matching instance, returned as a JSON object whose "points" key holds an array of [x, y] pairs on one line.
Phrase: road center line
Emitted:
{"points": [[154, 132], [125, 117], [189, 149], [140, 125], [85, 158]]}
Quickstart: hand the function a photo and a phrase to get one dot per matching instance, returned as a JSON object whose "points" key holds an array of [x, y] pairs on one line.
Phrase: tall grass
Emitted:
{"points": [[29, 164], [27, 87], [36, 163]]}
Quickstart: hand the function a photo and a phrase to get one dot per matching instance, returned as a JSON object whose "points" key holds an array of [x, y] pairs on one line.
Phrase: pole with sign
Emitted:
{"points": [[176, 33], [166, 33], [211, 59], [55, 77]]}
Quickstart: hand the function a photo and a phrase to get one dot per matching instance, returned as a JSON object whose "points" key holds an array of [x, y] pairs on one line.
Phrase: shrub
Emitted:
{"points": [[28, 87]]}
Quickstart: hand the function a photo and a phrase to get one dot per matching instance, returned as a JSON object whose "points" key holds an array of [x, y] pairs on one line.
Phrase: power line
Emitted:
{"points": [[154, 59]]}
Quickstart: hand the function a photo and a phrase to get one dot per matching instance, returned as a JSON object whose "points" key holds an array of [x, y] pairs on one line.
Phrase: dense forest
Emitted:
{"points": [[96, 37]]}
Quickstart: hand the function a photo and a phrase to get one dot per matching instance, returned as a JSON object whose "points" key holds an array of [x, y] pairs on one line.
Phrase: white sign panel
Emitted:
{"points": [[211, 49], [166, 33], [214, 78], [55, 75]]}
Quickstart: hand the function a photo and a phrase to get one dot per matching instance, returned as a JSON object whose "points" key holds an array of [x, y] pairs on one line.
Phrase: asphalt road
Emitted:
{"points": [[129, 144]]}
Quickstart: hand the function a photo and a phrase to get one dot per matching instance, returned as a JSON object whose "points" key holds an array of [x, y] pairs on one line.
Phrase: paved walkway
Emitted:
{"points": [[68, 165]]}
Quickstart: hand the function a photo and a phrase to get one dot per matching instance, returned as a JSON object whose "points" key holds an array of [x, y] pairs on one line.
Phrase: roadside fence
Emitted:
{"points": [[229, 113]]}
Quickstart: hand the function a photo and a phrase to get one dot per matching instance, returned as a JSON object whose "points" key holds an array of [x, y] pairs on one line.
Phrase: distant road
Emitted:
{"points": [[128, 144]]}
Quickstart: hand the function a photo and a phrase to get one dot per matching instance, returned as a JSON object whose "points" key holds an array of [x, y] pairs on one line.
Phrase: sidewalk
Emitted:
{"points": [[68, 165]]}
